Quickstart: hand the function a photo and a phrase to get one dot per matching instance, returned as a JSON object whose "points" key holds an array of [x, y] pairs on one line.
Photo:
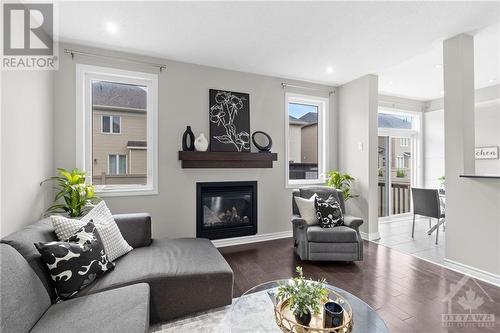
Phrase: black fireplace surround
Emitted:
{"points": [[226, 209]]}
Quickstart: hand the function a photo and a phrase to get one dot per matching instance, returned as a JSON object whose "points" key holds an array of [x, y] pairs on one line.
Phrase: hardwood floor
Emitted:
{"points": [[409, 293]]}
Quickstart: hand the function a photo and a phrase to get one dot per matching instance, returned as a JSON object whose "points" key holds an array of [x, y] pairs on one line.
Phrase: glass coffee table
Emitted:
{"points": [[254, 311]]}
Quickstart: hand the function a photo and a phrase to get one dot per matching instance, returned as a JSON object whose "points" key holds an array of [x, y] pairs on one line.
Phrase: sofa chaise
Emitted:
{"points": [[160, 279]]}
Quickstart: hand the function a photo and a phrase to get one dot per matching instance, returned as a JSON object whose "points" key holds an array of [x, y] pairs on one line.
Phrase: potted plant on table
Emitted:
{"points": [[74, 197], [305, 296]]}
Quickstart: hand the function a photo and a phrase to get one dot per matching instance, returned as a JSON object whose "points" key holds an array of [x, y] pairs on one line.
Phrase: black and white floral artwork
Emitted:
{"points": [[229, 121]]}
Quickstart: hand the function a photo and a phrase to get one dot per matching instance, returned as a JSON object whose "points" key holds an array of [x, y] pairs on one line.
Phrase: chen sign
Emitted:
{"points": [[487, 153]]}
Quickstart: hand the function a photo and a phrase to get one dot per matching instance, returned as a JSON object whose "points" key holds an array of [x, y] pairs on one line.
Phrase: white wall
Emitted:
{"points": [[487, 133], [433, 148], [183, 100], [472, 205], [358, 130], [26, 152]]}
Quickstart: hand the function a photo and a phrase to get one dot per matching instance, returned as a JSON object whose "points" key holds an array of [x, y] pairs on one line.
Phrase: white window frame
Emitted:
{"points": [[110, 124], [84, 76], [117, 156], [322, 104], [404, 142]]}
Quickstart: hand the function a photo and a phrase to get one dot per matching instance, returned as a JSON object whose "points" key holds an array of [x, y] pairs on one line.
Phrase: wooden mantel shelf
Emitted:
{"points": [[198, 159]]}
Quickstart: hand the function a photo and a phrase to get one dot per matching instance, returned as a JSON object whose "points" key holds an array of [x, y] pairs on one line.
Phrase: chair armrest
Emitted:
{"points": [[352, 221], [135, 228], [298, 222]]}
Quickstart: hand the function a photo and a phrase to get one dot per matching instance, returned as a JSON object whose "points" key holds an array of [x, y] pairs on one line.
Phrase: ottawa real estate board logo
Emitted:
{"points": [[28, 36]]}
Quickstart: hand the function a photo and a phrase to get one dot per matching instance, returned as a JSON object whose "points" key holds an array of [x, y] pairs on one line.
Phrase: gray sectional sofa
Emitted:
{"points": [[157, 281]]}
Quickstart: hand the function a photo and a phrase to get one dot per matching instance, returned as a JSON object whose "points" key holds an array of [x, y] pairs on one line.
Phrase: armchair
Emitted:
{"points": [[312, 242]]}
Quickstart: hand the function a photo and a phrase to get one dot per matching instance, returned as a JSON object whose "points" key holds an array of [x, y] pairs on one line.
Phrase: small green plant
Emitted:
{"points": [[305, 296], [73, 195], [341, 181], [380, 172], [441, 181], [400, 173]]}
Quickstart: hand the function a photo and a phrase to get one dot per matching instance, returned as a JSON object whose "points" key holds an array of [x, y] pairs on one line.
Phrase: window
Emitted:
{"points": [[400, 162], [117, 164], [391, 120], [112, 101], [111, 124], [404, 142], [306, 137]]}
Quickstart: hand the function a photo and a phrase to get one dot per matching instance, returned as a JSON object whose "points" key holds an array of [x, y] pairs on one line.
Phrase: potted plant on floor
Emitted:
{"points": [[341, 181], [74, 197], [305, 296]]}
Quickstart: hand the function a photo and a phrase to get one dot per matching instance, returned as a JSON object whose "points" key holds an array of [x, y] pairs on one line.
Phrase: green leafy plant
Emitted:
{"points": [[400, 173], [73, 195], [441, 181], [304, 295], [341, 181]]}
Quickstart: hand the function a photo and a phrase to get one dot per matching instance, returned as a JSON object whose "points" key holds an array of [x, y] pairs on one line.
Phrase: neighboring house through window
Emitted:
{"points": [[306, 153], [125, 103]]}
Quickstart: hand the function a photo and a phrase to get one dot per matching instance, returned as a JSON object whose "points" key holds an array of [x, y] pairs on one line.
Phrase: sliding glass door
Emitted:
{"points": [[397, 163]]}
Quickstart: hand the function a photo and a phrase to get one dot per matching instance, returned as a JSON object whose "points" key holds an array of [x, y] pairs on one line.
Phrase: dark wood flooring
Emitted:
{"points": [[409, 293]]}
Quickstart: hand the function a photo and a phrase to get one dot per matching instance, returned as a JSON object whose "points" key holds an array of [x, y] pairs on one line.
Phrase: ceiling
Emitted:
{"points": [[326, 42]]}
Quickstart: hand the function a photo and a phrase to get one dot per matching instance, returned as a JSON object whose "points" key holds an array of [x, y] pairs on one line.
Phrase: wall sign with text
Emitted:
{"points": [[486, 153]]}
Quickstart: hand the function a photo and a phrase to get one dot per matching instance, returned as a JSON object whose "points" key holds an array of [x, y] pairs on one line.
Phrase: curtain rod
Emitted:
{"points": [[88, 54], [284, 85]]}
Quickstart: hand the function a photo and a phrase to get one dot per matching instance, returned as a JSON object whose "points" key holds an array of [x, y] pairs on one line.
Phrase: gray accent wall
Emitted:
{"points": [[358, 133], [183, 100], [26, 146]]}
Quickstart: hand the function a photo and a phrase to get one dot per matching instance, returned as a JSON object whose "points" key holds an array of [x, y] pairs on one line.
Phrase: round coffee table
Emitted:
{"points": [[254, 311]]}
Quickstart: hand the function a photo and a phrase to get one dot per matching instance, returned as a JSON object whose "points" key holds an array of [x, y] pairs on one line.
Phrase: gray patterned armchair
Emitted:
{"points": [[312, 242]]}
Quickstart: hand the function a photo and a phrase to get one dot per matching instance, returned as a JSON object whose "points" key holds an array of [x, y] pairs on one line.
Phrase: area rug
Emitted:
{"points": [[225, 320]]}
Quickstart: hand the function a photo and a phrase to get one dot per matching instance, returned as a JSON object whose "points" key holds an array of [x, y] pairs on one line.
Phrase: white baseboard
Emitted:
{"points": [[476, 273], [251, 239], [371, 236]]}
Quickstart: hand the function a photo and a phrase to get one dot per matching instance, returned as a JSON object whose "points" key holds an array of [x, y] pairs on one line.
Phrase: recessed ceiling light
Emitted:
{"points": [[329, 69], [390, 83], [442, 92], [111, 28], [438, 66], [491, 80]]}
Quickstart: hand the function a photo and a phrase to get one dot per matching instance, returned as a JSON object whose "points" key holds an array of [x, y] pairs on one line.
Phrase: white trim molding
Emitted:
{"points": [[476, 273], [251, 239], [370, 236]]}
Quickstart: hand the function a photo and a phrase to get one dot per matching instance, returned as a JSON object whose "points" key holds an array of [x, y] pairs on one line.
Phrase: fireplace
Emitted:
{"points": [[226, 209]]}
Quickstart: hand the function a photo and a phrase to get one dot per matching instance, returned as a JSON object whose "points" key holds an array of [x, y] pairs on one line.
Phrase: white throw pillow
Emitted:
{"points": [[307, 209], [114, 244]]}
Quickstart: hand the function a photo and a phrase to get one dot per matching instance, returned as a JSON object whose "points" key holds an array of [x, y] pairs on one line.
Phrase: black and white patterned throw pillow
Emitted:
{"points": [[76, 263], [328, 212]]}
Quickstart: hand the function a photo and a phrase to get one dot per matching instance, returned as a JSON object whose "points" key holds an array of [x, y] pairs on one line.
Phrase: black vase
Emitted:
{"points": [[303, 319], [188, 140], [333, 315]]}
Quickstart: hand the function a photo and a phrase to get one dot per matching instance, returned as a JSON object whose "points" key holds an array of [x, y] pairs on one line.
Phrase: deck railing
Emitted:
{"points": [[401, 200]]}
